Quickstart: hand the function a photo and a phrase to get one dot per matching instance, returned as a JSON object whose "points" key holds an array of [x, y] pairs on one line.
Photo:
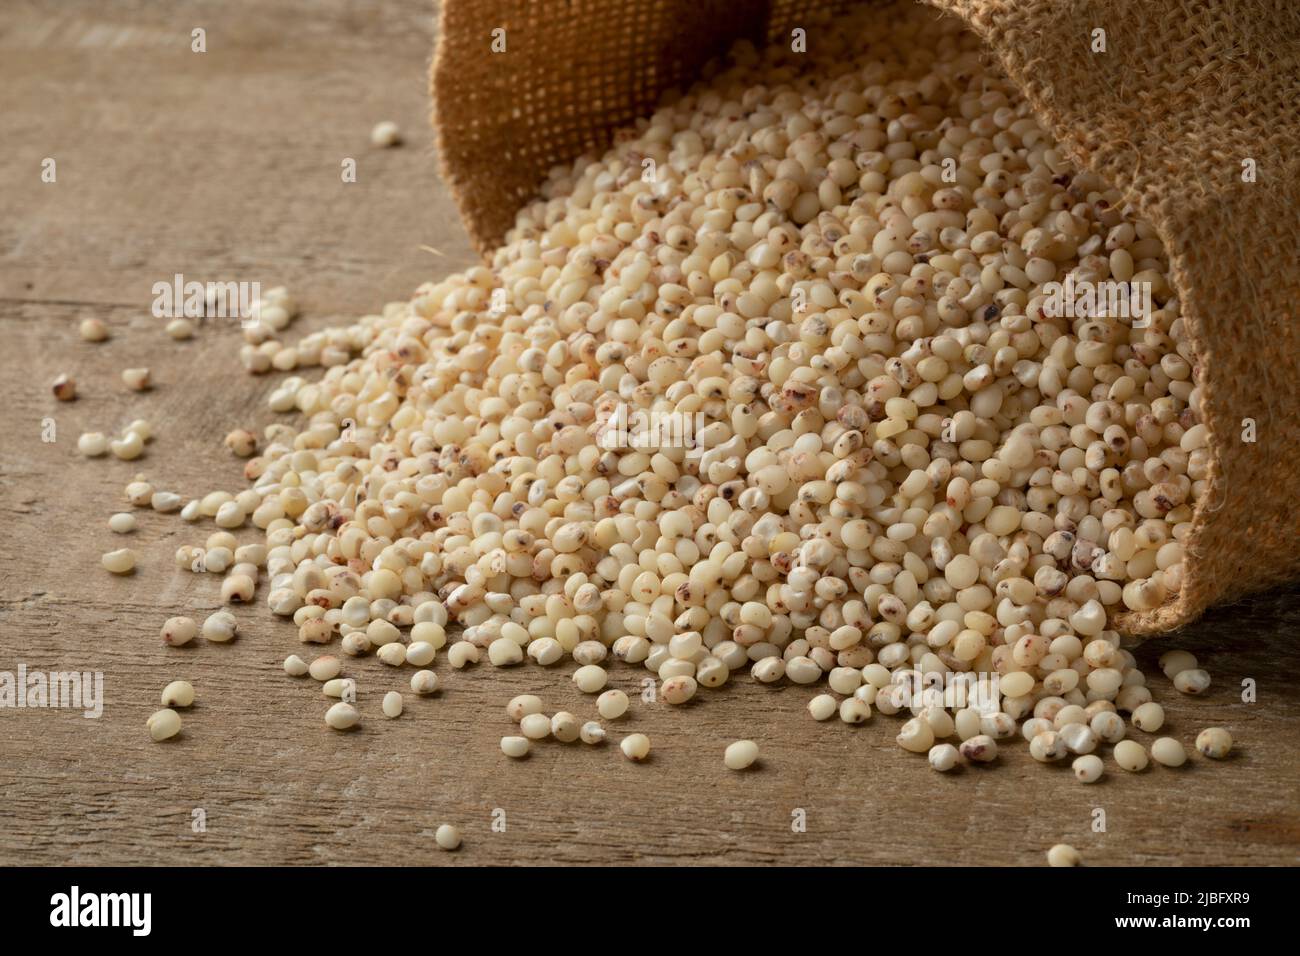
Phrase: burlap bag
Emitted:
{"points": [[1187, 90]]}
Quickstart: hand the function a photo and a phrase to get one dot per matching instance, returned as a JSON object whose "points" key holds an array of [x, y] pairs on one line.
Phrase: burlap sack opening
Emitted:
{"points": [[1185, 94]]}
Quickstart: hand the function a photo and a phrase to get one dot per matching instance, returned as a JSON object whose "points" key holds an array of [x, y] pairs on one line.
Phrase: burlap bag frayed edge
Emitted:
{"points": [[1195, 88]]}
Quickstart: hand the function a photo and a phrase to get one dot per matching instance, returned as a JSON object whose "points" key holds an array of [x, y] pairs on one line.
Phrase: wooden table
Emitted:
{"points": [[225, 165]]}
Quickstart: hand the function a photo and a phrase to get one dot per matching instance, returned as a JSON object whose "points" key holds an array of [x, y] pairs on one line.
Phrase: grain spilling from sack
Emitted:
{"points": [[820, 372]]}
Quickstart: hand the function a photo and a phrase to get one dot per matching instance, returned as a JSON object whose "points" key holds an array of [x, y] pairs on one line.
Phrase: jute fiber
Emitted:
{"points": [[1186, 93]]}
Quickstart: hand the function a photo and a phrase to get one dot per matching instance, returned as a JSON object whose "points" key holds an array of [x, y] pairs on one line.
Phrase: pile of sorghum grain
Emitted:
{"points": [[836, 264]]}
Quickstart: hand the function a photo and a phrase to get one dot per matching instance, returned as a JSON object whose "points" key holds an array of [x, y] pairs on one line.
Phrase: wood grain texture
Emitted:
{"points": [[225, 166]]}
